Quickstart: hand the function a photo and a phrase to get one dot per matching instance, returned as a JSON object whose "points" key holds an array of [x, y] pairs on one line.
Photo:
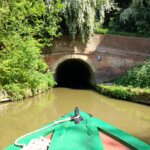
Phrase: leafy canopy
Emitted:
{"points": [[25, 27], [39, 19]]}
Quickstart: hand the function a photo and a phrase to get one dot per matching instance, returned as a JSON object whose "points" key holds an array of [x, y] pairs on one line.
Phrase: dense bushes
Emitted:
{"points": [[138, 76], [26, 27], [22, 69], [129, 17], [136, 17]]}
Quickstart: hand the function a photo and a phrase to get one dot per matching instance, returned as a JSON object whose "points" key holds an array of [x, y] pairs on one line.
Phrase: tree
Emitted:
{"points": [[25, 27], [107, 12], [102, 7], [136, 18], [79, 16], [39, 19]]}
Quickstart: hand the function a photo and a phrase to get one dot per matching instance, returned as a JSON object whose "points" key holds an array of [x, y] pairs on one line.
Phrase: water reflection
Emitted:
{"points": [[21, 117]]}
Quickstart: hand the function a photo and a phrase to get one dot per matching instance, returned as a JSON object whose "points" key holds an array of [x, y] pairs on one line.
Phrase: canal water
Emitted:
{"points": [[22, 117]]}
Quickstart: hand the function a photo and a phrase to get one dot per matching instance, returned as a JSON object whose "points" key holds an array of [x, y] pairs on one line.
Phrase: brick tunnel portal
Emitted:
{"points": [[74, 73]]}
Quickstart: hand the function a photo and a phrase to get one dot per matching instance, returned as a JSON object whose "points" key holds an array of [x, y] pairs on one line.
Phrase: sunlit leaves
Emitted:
{"points": [[137, 76], [25, 27], [33, 18], [80, 16]]}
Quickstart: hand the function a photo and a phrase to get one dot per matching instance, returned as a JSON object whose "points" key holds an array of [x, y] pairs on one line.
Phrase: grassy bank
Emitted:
{"points": [[141, 95]]}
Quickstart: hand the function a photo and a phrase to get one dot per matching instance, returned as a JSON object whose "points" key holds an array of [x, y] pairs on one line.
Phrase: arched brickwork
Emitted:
{"points": [[118, 53], [74, 56]]}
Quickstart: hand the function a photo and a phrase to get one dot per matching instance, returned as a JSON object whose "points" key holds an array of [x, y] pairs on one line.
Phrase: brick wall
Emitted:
{"points": [[118, 53]]}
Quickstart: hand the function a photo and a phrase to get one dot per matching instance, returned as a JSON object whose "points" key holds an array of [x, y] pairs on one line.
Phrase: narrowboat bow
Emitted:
{"points": [[78, 131]]}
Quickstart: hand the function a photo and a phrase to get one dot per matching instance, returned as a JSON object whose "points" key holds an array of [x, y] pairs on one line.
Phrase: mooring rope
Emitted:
{"points": [[16, 143]]}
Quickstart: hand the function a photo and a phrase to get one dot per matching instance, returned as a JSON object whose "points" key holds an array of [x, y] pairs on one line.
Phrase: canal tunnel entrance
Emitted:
{"points": [[74, 73]]}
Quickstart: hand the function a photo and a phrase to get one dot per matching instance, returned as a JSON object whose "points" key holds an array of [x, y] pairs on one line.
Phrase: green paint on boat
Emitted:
{"points": [[82, 136], [72, 136]]}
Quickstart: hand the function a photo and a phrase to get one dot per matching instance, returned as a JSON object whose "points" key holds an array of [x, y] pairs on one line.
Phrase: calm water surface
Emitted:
{"points": [[21, 117]]}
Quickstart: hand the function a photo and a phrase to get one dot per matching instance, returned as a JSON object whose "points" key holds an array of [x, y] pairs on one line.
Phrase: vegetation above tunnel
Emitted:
{"points": [[129, 17]]}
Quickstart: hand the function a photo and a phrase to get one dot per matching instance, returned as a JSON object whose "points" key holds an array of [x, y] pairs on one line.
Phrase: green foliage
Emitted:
{"points": [[79, 16], [39, 19], [101, 7], [99, 30], [137, 76], [133, 85], [125, 93], [22, 67], [136, 19], [15, 91], [25, 27], [131, 16], [119, 92]]}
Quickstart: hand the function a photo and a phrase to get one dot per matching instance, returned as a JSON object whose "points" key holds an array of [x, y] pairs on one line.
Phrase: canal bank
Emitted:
{"points": [[137, 95]]}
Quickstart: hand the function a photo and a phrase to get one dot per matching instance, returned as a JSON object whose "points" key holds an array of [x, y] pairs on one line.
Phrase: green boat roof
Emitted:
{"points": [[82, 136]]}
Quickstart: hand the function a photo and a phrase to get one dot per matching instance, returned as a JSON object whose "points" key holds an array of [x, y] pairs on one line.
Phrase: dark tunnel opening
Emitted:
{"points": [[74, 73]]}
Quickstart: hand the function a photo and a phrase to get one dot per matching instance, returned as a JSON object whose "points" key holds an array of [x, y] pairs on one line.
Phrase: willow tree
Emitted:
{"points": [[102, 6], [79, 16]]}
